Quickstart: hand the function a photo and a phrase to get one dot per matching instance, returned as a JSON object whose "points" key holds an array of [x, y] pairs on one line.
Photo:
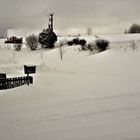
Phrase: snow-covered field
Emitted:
{"points": [[83, 97]]}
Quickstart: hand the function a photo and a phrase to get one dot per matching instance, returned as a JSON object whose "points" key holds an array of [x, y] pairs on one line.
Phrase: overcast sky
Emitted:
{"points": [[104, 16]]}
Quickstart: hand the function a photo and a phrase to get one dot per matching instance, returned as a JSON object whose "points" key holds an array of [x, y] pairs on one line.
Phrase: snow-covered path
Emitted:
{"points": [[34, 117]]}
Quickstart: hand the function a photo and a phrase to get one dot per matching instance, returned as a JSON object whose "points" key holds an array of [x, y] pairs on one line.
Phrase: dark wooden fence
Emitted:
{"points": [[15, 82]]}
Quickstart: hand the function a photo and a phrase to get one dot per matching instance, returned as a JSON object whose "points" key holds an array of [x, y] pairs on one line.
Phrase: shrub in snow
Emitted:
{"points": [[102, 44], [14, 39], [82, 42], [70, 43], [17, 47], [32, 41], [135, 28], [84, 48], [133, 45], [76, 41], [91, 47]]}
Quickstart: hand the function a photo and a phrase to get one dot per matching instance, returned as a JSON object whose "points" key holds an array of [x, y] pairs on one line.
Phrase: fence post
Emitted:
{"points": [[28, 79]]}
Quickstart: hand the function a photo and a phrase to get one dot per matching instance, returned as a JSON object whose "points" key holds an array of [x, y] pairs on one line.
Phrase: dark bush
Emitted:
{"points": [[76, 41], [102, 44], [135, 28], [70, 43], [32, 41], [82, 42], [47, 38], [14, 40]]}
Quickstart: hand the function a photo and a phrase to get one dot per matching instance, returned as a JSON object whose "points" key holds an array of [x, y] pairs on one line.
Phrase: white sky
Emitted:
{"points": [[104, 16]]}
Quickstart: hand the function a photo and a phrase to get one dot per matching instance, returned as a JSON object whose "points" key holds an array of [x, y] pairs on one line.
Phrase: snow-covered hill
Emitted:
{"points": [[83, 97]]}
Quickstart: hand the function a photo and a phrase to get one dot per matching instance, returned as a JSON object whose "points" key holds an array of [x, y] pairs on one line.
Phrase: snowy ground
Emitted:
{"points": [[83, 97]]}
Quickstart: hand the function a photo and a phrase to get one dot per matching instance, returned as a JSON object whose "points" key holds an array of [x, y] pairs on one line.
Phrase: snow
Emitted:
{"points": [[83, 97]]}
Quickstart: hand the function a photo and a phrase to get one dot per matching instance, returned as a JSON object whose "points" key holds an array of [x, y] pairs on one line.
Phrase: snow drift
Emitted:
{"points": [[83, 97]]}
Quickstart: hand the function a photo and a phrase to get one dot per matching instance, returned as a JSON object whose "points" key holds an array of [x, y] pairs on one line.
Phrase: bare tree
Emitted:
{"points": [[32, 41], [125, 32], [61, 52], [133, 45], [89, 31]]}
